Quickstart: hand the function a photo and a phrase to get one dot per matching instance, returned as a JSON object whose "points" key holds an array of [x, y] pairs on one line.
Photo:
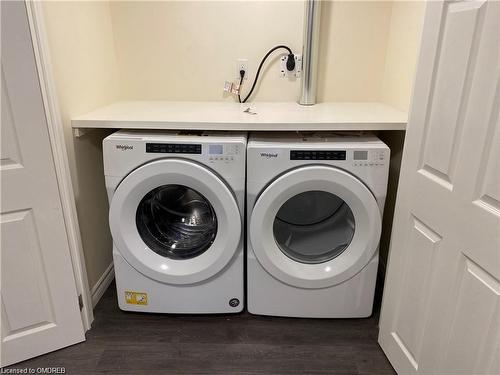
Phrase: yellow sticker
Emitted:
{"points": [[136, 298]]}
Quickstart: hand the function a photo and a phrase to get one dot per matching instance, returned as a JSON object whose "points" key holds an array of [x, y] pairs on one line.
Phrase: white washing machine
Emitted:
{"points": [[176, 214], [315, 206]]}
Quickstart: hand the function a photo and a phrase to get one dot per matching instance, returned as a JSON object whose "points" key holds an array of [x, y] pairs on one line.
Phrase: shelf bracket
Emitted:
{"points": [[80, 132]]}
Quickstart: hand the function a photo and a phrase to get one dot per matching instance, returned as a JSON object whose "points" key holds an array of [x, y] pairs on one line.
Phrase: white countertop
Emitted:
{"points": [[231, 116]]}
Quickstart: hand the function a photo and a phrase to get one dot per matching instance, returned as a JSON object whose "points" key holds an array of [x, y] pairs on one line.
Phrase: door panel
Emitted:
{"points": [[40, 310], [419, 271], [22, 252], [475, 311], [11, 156], [488, 196], [443, 127], [441, 307]]}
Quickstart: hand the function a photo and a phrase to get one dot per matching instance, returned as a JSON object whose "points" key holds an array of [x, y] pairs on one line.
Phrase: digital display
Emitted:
{"points": [[215, 149], [317, 155], [360, 155], [173, 148]]}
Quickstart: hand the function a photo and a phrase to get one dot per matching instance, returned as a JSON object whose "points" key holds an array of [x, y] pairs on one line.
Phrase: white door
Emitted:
{"points": [[441, 306], [175, 221], [315, 227], [39, 310]]}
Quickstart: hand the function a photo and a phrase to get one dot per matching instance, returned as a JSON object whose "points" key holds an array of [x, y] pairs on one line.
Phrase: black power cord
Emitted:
{"points": [[290, 66], [242, 75]]}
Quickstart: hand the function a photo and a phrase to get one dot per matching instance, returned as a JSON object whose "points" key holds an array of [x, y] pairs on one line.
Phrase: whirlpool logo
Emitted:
{"points": [[268, 155], [124, 147]]}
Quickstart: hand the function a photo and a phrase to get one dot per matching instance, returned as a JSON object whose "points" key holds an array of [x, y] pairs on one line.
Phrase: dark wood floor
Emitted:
{"points": [[134, 343]]}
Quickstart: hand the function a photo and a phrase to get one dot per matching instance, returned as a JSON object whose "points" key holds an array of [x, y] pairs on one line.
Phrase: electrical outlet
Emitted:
{"points": [[241, 64], [284, 73]]}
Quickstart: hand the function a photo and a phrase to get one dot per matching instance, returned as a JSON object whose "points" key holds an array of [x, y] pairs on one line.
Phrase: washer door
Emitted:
{"points": [[315, 227], [175, 221]]}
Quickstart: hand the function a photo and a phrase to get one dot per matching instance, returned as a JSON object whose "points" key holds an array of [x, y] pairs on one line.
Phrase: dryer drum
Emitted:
{"points": [[176, 222], [314, 227]]}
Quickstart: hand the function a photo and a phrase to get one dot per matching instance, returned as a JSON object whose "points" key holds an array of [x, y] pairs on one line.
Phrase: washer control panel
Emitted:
{"points": [[224, 153], [216, 152], [173, 148]]}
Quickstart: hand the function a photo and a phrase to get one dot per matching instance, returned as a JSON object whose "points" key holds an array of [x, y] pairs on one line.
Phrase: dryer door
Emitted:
{"points": [[315, 226], [175, 221]]}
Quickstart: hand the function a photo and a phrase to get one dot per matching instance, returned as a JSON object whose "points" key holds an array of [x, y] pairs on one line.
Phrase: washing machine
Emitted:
{"points": [[176, 214], [315, 204]]}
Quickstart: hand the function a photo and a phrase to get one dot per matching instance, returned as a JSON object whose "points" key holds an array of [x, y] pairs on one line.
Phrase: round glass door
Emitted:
{"points": [[176, 222], [313, 227]]}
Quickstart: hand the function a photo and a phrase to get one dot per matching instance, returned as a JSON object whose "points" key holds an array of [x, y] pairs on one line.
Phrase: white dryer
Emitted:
{"points": [[176, 206], [315, 206]]}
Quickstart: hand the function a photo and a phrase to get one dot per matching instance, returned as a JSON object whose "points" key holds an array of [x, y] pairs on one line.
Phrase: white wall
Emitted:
{"points": [[402, 49], [86, 76], [186, 50], [352, 50]]}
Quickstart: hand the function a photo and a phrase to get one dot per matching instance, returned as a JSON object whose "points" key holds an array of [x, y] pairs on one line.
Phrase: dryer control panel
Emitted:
{"points": [[356, 157], [365, 158], [317, 155]]}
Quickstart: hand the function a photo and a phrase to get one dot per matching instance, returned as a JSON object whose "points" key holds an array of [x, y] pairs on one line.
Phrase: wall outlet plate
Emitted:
{"points": [[298, 66], [284, 73], [241, 64]]}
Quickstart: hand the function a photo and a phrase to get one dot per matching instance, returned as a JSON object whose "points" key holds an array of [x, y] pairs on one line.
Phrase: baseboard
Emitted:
{"points": [[102, 284]]}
